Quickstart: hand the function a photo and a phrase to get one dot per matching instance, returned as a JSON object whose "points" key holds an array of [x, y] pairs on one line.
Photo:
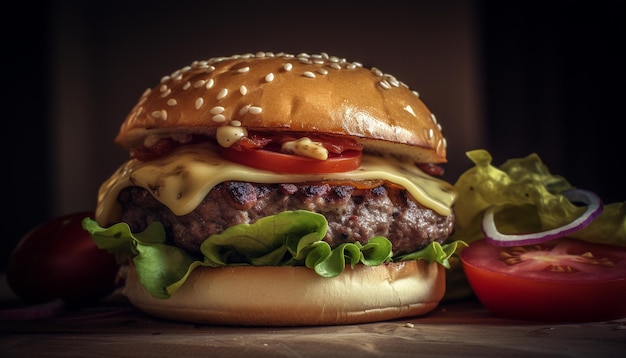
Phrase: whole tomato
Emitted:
{"points": [[59, 260]]}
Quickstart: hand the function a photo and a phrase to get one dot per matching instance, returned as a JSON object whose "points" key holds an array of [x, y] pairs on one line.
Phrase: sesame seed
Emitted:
{"points": [[244, 110], [165, 79], [243, 90], [218, 118], [416, 93], [163, 88], [433, 118], [186, 85], [217, 110], [335, 65], [288, 66], [206, 67], [431, 133], [162, 114], [199, 84], [235, 123], [309, 74], [223, 93], [147, 92], [166, 93], [322, 71], [216, 59], [409, 109], [171, 102], [384, 84], [199, 102], [255, 110], [209, 83], [377, 72], [269, 77], [243, 69]]}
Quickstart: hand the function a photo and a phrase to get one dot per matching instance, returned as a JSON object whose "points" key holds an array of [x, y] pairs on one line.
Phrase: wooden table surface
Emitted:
{"points": [[455, 329]]}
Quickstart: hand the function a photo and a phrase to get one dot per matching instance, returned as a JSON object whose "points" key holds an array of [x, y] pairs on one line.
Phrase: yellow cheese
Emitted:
{"points": [[183, 178]]}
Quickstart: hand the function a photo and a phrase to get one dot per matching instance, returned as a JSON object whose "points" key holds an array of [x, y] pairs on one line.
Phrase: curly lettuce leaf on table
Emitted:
{"points": [[532, 199]]}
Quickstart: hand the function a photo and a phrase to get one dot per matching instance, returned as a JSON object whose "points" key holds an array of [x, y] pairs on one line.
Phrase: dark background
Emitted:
{"points": [[514, 77]]}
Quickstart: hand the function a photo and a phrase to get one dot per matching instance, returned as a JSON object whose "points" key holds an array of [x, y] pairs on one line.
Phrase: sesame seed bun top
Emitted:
{"points": [[282, 92]]}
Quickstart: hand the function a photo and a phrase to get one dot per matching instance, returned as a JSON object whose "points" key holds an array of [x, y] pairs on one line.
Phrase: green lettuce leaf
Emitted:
{"points": [[159, 265], [436, 252], [532, 199], [292, 238], [271, 241]]}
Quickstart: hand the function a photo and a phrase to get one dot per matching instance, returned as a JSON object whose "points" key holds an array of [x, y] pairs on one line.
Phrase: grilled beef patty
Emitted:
{"points": [[353, 214]]}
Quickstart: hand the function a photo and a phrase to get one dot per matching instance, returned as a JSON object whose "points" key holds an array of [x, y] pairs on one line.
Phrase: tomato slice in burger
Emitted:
{"points": [[563, 280], [294, 164], [263, 151]]}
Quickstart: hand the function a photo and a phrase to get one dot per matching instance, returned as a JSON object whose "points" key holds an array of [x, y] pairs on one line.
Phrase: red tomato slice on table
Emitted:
{"points": [[562, 280], [289, 163]]}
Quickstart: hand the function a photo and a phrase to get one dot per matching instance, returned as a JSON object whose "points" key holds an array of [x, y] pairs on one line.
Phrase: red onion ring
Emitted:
{"points": [[495, 237]]}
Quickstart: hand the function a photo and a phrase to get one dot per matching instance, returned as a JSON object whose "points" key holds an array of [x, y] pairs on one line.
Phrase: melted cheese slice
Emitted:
{"points": [[183, 178]]}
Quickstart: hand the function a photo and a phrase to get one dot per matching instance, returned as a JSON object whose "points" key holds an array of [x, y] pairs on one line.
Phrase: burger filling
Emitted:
{"points": [[192, 207]]}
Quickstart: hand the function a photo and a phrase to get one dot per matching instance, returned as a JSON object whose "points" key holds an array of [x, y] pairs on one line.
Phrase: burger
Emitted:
{"points": [[279, 190]]}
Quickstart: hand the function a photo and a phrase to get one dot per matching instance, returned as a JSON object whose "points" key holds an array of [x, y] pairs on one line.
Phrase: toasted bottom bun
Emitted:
{"points": [[296, 296]]}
